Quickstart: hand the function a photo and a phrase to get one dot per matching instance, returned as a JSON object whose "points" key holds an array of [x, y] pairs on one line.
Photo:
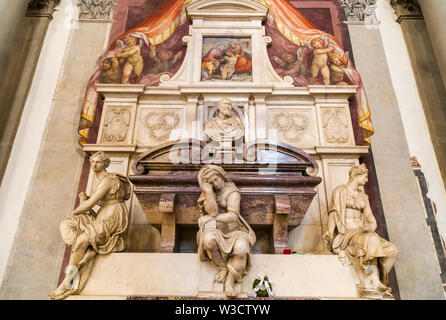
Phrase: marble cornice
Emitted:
{"points": [[42, 8], [406, 9]]}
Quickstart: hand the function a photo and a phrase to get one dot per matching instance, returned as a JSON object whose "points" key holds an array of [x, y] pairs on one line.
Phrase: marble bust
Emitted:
{"points": [[225, 126]]}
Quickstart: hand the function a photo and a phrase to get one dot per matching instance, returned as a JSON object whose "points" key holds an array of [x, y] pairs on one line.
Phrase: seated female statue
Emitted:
{"points": [[224, 237], [90, 233], [351, 233]]}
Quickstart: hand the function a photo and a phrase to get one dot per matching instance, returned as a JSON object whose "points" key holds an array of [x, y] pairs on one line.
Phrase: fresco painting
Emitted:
{"points": [[308, 53], [226, 59]]}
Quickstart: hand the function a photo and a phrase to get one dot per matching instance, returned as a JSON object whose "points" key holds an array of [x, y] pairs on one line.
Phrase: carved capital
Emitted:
{"points": [[359, 11], [406, 9], [96, 9], [42, 8]]}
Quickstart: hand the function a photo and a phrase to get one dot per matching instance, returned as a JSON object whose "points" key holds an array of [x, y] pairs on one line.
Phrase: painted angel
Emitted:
{"points": [[132, 59], [338, 65], [291, 64]]}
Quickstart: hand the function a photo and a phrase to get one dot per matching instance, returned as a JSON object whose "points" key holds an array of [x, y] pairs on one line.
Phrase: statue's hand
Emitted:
{"points": [[83, 196], [207, 188]]}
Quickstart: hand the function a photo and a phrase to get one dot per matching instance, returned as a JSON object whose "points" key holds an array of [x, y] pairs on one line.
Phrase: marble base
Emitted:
{"points": [[122, 275]]}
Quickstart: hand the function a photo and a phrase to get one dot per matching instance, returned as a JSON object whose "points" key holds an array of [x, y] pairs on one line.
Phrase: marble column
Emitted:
{"points": [[416, 269], [427, 72], [12, 38], [434, 12], [35, 25], [36, 255]]}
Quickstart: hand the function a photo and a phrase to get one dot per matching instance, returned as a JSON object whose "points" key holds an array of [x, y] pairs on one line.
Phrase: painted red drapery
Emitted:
{"points": [[159, 25]]}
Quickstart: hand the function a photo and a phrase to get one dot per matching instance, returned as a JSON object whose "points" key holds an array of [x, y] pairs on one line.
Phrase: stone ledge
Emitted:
{"points": [[123, 275]]}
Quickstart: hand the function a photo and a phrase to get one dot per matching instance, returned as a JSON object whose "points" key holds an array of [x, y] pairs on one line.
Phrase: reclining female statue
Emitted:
{"points": [[351, 234], [224, 237], [90, 233]]}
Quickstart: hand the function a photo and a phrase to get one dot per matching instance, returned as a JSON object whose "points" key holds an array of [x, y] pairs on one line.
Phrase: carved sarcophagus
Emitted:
{"points": [[276, 181]]}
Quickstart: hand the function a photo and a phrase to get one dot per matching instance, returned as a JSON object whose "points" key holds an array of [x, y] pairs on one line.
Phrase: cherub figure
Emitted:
{"points": [[163, 61], [321, 49], [228, 67], [291, 64], [134, 62], [111, 73], [337, 66]]}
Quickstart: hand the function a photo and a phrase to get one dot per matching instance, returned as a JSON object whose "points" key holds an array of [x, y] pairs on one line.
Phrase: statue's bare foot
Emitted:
{"points": [[383, 288], [229, 287], [60, 292], [230, 293], [220, 276]]}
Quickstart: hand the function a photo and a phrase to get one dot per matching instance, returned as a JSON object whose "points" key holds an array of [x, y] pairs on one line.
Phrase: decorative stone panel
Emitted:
{"points": [[116, 125], [156, 126], [335, 124], [295, 127]]}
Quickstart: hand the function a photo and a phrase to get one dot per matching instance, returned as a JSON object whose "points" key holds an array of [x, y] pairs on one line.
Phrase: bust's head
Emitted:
{"points": [[225, 107]]}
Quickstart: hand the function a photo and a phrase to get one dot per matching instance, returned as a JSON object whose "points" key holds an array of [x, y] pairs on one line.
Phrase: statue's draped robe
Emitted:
{"points": [[105, 230], [359, 246], [227, 234]]}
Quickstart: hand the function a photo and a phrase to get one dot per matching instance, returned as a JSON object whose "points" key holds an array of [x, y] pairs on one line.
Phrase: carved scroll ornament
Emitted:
{"points": [[161, 124], [359, 10], [406, 9], [96, 9], [42, 8]]}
